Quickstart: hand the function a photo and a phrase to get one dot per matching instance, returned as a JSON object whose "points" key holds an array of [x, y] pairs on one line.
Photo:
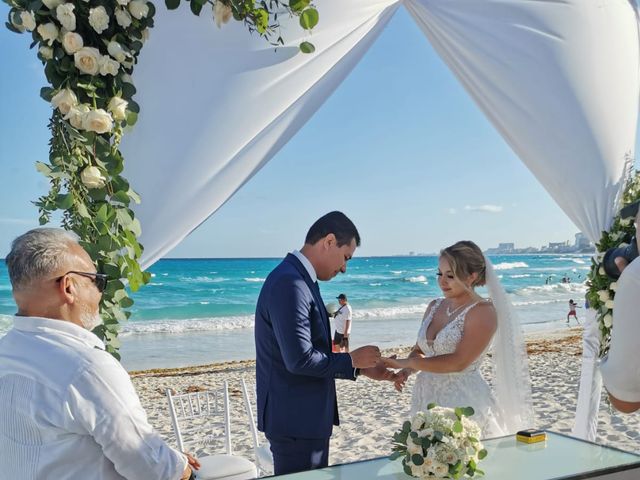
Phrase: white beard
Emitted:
{"points": [[90, 321]]}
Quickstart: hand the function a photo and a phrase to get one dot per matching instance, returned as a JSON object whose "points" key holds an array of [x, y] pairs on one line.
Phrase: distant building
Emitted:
{"points": [[582, 241], [582, 245], [507, 246]]}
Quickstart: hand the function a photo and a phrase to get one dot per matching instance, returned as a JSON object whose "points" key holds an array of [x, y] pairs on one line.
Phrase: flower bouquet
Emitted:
{"points": [[439, 443]]}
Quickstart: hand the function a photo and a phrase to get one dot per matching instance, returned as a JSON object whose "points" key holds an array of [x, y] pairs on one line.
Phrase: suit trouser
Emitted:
{"points": [[293, 454]]}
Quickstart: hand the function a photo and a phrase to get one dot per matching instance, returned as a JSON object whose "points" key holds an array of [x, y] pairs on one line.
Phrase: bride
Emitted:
{"points": [[453, 340]]}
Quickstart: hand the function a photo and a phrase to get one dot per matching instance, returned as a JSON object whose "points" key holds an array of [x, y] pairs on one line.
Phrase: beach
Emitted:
{"points": [[370, 411]]}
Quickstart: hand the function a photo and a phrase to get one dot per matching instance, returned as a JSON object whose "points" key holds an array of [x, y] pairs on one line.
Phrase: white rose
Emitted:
{"points": [[46, 52], [607, 320], [601, 271], [138, 8], [126, 78], [92, 177], [440, 469], [28, 21], [416, 423], [97, 121], [98, 19], [72, 42], [613, 286], [124, 3], [412, 448], [118, 108], [52, 4], [48, 32], [609, 304], [625, 221], [123, 18], [64, 100], [116, 51], [109, 66], [76, 114], [87, 60], [603, 295], [221, 13], [66, 17]]}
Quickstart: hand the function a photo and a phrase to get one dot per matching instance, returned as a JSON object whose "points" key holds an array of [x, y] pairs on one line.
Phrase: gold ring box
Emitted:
{"points": [[531, 436]]}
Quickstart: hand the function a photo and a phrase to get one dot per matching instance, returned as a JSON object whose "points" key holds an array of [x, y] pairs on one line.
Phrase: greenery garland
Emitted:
{"points": [[601, 288], [89, 49]]}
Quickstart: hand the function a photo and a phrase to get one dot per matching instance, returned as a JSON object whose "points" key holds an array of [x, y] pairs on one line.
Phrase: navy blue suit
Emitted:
{"points": [[295, 369]]}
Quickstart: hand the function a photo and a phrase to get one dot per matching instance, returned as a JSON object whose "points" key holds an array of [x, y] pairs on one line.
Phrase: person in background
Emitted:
{"points": [[68, 410], [572, 311], [343, 317]]}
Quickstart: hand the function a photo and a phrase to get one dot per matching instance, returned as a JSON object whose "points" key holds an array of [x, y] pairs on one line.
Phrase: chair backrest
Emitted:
{"points": [[249, 409], [194, 413], [264, 458]]}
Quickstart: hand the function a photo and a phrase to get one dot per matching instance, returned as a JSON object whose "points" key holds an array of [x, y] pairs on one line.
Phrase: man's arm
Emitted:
{"points": [[290, 310], [102, 402]]}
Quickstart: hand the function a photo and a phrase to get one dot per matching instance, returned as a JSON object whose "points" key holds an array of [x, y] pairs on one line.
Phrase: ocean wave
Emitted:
{"points": [[6, 322], [510, 265], [375, 284], [396, 272], [390, 312], [174, 326], [416, 279], [254, 279], [556, 288], [570, 259], [524, 275], [204, 279], [538, 302]]}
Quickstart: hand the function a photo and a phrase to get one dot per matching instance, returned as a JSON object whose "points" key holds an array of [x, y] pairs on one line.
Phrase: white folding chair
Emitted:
{"points": [[200, 410], [264, 457]]}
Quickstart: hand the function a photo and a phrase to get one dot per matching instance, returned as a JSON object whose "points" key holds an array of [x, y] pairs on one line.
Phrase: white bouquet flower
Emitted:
{"points": [[439, 443]]}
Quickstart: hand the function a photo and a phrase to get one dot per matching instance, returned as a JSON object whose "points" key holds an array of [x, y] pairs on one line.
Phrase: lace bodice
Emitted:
{"points": [[448, 337], [456, 389]]}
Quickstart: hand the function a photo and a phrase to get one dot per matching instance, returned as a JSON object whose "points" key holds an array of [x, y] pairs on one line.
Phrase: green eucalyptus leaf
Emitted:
{"points": [[103, 213], [196, 7], [64, 201], [309, 18], [307, 47], [43, 168], [132, 118], [124, 218], [457, 427], [82, 210], [482, 454], [417, 459], [299, 5], [47, 93]]}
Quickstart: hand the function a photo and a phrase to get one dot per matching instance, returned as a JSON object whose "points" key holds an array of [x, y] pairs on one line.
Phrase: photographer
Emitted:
{"points": [[621, 367]]}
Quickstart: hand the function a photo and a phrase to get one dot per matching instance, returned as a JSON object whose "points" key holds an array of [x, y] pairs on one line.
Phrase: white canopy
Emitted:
{"points": [[558, 79]]}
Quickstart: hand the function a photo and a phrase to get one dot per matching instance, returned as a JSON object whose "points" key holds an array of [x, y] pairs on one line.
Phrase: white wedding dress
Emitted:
{"points": [[460, 389]]}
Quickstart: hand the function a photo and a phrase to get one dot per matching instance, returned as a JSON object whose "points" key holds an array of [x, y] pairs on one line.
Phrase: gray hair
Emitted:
{"points": [[38, 253]]}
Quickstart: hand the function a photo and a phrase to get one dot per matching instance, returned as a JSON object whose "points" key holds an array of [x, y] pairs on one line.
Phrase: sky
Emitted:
{"points": [[399, 147]]}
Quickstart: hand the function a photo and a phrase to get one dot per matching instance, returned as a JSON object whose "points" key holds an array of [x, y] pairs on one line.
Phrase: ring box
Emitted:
{"points": [[531, 435]]}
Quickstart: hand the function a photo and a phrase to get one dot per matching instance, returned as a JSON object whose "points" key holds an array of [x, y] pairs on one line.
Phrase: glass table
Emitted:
{"points": [[558, 458]]}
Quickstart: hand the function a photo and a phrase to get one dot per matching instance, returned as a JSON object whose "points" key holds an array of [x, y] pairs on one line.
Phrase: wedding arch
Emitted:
{"points": [[558, 80]]}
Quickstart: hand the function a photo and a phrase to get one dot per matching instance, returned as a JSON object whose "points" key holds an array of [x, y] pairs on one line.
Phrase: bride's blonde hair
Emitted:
{"points": [[466, 258]]}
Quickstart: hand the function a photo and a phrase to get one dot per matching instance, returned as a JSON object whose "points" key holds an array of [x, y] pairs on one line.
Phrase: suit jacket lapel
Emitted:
{"points": [[315, 290]]}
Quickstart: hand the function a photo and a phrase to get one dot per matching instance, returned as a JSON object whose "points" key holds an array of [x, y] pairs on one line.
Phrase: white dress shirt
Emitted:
{"points": [[306, 264], [68, 410], [621, 369]]}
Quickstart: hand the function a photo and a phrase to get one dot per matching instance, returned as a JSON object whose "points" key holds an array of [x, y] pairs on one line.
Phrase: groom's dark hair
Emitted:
{"points": [[338, 224]]}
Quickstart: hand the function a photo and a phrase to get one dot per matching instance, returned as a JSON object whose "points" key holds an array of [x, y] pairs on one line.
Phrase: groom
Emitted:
{"points": [[295, 368]]}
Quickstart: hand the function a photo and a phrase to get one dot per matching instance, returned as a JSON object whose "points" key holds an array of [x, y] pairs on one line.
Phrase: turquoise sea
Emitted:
{"points": [[198, 311]]}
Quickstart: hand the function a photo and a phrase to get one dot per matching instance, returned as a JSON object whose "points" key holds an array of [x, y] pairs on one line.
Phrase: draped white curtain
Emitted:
{"points": [[557, 78]]}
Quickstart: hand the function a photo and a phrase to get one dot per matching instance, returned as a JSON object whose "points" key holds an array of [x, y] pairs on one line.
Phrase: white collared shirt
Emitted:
{"points": [[68, 410], [344, 313], [307, 265]]}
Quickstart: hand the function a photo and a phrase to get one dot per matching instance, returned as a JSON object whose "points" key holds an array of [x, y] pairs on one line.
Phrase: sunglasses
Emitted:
{"points": [[99, 279]]}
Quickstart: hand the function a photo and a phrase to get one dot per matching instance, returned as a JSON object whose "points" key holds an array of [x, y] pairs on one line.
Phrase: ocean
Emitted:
{"points": [[197, 311]]}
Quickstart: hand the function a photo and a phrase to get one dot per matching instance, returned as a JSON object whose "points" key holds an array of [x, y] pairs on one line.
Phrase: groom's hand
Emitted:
{"points": [[379, 372], [365, 357]]}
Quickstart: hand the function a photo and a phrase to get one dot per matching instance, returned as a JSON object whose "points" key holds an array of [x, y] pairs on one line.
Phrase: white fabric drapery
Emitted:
{"points": [[558, 80]]}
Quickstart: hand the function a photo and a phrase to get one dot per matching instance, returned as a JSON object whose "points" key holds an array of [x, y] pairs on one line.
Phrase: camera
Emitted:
{"points": [[629, 253]]}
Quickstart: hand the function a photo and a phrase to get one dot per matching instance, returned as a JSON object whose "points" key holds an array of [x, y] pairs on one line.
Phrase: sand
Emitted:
{"points": [[371, 411]]}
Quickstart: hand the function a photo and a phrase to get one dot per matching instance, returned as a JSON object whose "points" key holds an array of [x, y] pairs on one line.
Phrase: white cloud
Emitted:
{"points": [[484, 208], [451, 211]]}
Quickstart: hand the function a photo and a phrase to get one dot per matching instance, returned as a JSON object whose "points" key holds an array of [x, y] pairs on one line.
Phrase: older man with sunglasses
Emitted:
{"points": [[68, 410]]}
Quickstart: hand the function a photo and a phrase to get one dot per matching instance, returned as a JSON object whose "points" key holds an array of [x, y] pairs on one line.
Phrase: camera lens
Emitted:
{"points": [[628, 252]]}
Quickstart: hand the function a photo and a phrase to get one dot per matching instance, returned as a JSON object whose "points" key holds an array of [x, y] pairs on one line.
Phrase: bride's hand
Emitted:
{"points": [[392, 362], [401, 378]]}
